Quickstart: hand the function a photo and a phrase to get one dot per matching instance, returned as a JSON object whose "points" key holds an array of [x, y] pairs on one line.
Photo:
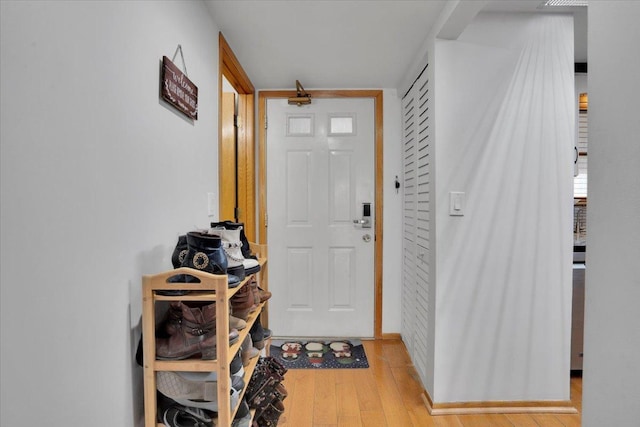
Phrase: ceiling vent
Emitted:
{"points": [[563, 3]]}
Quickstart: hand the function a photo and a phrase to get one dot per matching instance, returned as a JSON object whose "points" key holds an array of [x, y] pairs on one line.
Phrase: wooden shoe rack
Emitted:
{"points": [[211, 288]]}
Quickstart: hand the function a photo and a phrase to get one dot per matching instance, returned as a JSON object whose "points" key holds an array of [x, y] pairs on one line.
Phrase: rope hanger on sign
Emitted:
{"points": [[184, 64]]}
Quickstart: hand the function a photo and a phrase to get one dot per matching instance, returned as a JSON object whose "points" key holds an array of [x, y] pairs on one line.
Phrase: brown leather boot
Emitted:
{"points": [[255, 291], [194, 334], [243, 303], [172, 319], [264, 295]]}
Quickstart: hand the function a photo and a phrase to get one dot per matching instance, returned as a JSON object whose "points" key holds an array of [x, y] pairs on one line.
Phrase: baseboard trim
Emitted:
{"points": [[498, 407], [391, 336]]}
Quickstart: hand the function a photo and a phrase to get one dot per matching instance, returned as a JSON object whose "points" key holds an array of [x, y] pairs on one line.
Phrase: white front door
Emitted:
{"points": [[320, 178]]}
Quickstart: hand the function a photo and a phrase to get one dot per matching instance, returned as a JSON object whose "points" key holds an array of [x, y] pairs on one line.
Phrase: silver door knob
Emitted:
{"points": [[366, 238]]}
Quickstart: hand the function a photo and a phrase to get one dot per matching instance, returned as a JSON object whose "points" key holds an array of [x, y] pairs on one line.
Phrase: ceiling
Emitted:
{"points": [[340, 43]]}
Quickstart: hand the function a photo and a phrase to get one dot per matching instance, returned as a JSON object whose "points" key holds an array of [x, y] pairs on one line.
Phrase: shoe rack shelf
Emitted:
{"points": [[211, 288]]}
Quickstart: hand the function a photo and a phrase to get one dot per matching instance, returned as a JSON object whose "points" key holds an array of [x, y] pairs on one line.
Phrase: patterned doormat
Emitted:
{"points": [[334, 353]]}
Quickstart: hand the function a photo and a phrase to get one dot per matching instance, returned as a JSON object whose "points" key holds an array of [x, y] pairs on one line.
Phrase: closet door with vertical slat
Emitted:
{"points": [[417, 180], [423, 227], [409, 185]]}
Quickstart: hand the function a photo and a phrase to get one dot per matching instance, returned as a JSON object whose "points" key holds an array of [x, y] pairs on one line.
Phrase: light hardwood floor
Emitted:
{"points": [[388, 394]]}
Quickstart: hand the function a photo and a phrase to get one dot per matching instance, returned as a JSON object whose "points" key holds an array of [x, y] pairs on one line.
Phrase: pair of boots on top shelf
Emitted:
{"points": [[222, 249]]}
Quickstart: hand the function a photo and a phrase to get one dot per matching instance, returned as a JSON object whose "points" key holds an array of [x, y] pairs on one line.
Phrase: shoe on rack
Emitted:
{"points": [[196, 389], [180, 251], [167, 327], [235, 367], [235, 260], [230, 225], [243, 416], [253, 284], [205, 253], [233, 249], [266, 333], [194, 334], [237, 323], [234, 335], [248, 351], [171, 322], [183, 416], [259, 334], [264, 295], [281, 392], [194, 385], [172, 414], [237, 383], [177, 257], [210, 405], [242, 303], [189, 385], [271, 414]]}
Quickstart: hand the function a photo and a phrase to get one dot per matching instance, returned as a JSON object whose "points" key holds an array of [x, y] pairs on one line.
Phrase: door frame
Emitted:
{"points": [[230, 68], [263, 96]]}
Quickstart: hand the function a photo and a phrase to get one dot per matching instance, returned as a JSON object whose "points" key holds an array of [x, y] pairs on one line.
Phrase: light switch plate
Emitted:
{"points": [[456, 203]]}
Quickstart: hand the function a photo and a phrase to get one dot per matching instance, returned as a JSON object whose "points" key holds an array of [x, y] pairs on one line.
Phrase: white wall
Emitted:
{"points": [[504, 135], [98, 178], [611, 394], [392, 214]]}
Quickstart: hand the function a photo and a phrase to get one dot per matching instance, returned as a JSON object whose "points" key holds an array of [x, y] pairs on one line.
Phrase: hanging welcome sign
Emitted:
{"points": [[177, 89]]}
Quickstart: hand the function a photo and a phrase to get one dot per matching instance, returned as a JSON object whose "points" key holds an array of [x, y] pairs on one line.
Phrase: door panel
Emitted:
{"points": [[341, 188], [299, 293], [298, 188], [320, 171], [342, 279]]}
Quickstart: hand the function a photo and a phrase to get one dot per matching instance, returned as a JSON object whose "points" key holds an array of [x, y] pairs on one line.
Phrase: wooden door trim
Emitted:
{"points": [[227, 156], [230, 68], [263, 96]]}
